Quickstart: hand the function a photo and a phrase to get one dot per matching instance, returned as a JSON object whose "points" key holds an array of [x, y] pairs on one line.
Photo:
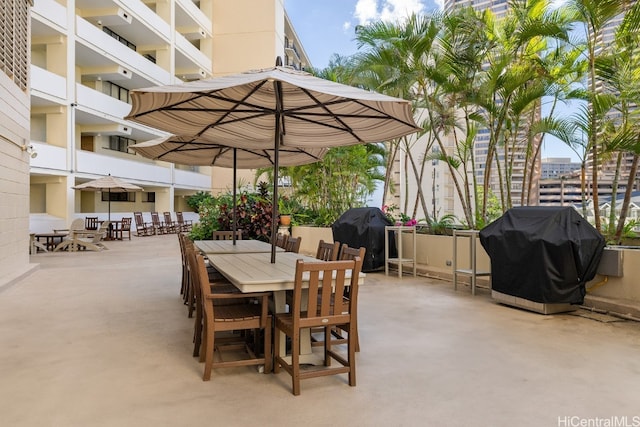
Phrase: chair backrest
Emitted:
{"points": [[226, 235], [347, 252], [126, 224], [293, 244], [328, 251], [102, 231], [91, 223], [281, 240], [167, 218], [155, 219], [179, 217], [77, 225], [321, 304], [139, 220]]}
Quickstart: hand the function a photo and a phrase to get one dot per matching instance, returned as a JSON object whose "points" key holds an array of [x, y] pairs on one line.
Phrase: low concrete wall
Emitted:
{"points": [[435, 255], [310, 237], [625, 287]]}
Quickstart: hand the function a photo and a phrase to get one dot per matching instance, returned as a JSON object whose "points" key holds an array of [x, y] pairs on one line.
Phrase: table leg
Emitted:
{"points": [[306, 354]]}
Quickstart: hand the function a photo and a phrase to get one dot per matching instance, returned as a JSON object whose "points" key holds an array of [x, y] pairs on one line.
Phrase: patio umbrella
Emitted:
{"points": [[109, 184], [275, 107], [201, 152]]}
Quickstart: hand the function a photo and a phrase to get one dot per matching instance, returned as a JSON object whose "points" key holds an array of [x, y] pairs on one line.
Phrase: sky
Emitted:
{"points": [[327, 27]]}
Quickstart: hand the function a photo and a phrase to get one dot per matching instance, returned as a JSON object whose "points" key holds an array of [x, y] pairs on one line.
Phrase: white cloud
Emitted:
{"points": [[367, 11], [439, 3], [346, 26]]}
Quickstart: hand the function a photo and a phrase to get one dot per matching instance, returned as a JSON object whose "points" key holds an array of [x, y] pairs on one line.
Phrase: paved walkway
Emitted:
{"points": [[102, 339]]}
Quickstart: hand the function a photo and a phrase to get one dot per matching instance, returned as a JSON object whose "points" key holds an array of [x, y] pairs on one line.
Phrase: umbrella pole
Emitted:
{"points": [[276, 143], [233, 225]]}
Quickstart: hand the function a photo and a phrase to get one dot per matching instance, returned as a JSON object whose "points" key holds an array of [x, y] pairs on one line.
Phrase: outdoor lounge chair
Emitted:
{"points": [[158, 226], [76, 225], [142, 228], [92, 242], [86, 239], [184, 225], [169, 225]]}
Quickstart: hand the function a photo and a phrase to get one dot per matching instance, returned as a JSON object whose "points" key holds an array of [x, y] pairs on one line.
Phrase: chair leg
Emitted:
{"points": [[276, 350], [197, 332], [352, 355], [268, 354], [208, 354], [295, 362]]}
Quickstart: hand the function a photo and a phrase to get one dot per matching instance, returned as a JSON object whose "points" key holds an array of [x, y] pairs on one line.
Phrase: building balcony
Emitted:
{"points": [[190, 21], [48, 12], [47, 85], [191, 63], [100, 55]]}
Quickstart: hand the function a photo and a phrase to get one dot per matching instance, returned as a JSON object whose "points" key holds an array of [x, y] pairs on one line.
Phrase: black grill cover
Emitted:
{"points": [[364, 227], [542, 254]]}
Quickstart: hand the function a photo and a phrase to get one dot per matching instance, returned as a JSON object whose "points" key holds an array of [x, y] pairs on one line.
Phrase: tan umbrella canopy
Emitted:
{"points": [[200, 152], [275, 107], [109, 184]]}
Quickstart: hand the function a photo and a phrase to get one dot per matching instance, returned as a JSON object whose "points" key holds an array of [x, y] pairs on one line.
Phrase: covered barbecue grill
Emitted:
{"points": [[542, 254]]}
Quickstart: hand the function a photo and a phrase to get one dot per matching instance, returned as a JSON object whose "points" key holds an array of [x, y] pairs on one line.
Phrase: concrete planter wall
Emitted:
{"points": [[435, 256], [310, 237]]}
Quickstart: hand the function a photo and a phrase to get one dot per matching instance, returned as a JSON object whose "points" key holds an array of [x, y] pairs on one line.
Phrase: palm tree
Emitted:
{"points": [[396, 59], [594, 17]]}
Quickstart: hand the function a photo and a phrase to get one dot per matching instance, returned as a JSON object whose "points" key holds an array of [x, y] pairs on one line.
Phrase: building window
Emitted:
{"points": [[115, 91], [118, 37], [14, 38], [118, 197], [120, 143], [149, 197]]}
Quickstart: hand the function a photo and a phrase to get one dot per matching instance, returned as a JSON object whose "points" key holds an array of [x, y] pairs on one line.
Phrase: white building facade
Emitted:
{"points": [[86, 57]]}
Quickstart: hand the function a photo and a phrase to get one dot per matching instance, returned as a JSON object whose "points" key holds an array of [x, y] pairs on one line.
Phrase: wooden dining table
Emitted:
{"points": [[209, 247], [254, 272]]}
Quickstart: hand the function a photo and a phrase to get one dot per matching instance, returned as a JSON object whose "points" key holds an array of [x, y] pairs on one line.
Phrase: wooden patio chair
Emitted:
{"points": [[293, 244], [327, 251], [281, 240], [229, 318], [142, 228], [125, 227], [158, 226], [218, 286], [91, 223], [170, 225], [226, 235], [184, 225], [321, 306], [349, 253]]}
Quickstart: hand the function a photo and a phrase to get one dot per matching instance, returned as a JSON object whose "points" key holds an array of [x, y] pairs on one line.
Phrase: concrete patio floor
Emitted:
{"points": [[103, 339]]}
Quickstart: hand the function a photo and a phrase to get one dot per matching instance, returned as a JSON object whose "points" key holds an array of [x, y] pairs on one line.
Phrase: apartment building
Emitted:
{"points": [[15, 151], [86, 57]]}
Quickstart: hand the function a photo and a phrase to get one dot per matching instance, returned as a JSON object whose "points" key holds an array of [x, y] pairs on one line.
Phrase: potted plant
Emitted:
{"points": [[286, 207]]}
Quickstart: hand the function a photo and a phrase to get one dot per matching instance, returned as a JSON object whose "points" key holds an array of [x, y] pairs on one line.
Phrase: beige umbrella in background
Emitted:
{"points": [[109, 184], [199, 152], [276, 107]]}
